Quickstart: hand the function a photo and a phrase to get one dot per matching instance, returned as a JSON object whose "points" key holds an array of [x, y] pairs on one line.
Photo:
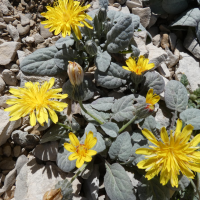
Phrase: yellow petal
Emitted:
{"points": [[79, 162], [195, 141], [91, 152], [73, 156], [149, 135], [69, 147], [147, 163], [87, 158], [145, 151], [32, 119], [164, 135], [90, 140], [73, 139], [53, 115]]}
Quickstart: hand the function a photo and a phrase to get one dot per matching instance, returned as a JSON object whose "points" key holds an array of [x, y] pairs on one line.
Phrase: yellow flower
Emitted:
{"points": [[36, 100], [138, 67], [75, 73], [81, 152], [151, 99], [171, 155], [66, 14]]}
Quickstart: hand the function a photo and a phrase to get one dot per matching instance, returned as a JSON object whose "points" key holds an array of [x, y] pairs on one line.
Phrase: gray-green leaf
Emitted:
{"points": [[114, 77], [117, 183], [103, 104], [123, 108], [63, 162], [41, 63], [150, 124], [191, 116], [102, 61], [176, 97], [118, 38], [121, 147], [111, 129], [64, 42]]}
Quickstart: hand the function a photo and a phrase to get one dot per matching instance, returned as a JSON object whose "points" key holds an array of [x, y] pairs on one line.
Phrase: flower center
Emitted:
{"points": [[66, 16], [81, 149]]}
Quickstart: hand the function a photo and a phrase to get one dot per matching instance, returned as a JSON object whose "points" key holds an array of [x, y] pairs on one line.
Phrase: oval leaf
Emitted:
{"points": [[111, 129]]}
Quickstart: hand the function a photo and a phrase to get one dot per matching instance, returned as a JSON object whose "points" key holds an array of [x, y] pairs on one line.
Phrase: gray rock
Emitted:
{"points": [[2, 85], [24, 20], [9, 77], [172, 40], [3, 100], [191, 44], [144, 14], [134, 4], [8, 19], [14, 68], [163, 70], [8, 52], [190, 67], [2, 25], [17, 151], [13, 33], [47, 151], [7, 150], [6, 126], [141, 45], [23, 30], [28, 128], [30, 39], [4, 9], [21, 55], [59, 79], [24, 139], [44, 32], [35, 179], [156, 40], [125, 10], [172, 59]]}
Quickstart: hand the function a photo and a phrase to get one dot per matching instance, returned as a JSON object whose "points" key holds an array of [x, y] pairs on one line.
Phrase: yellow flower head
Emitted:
{"points": [[138, 67], [81, 152], [151, 99], [75, 73], [171, 155], [36, 100], [66, 14]]}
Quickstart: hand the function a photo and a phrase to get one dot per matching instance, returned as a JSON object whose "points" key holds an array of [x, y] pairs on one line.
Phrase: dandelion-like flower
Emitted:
{"points": [[151, 99], [81, 152], [36, 100], [66, 14], [138, 67], [172, 155]]}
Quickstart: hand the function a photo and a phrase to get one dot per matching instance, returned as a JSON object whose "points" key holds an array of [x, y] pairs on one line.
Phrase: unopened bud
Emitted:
{"points": [[144, 110], [75, 73], [91, 47], [102, 14]]}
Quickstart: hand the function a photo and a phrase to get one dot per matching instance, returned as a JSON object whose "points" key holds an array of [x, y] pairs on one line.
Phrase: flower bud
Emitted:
{"points": [[107, 27], [143, 110], [75, 73], [102, 14], [91, 47]]}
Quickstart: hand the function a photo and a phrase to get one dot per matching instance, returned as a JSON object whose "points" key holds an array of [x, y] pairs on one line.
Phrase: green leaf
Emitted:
{"points": [[155, 81], [56, 132], [41, 63], [176, 97], [191, 116], [121, 147], [150, 124], [65, 55], [190, 18], [102, 116], [137, 136], [111, 129], [138, 157], [123, 108], [174, 6], [152, 190], [100, 145], [197, 92], [103, 104], [114, 77], [184, 80], [64, 42], [63, 162], [102, 61], [66, 189], [117, 183], [118, 38]]}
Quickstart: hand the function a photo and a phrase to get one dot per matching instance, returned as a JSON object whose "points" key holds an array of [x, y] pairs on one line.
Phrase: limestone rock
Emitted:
{"points": [[30, 39], [24, 20], [144, 14], [21, 55], [6, 126], [9, 77], [164, 71], [190, 67], [191, 44], [44, 32], [2, 25], [23, 30], [165, 41], [32, 185], [13, 33], [38, 38], [156, 40], [8, 52], [3, 100], [2, 84], [172, 59], [134, 4]]}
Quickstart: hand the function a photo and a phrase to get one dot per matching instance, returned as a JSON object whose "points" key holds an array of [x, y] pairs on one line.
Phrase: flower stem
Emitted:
{"points": [[80, 170], [198, 184], [65, 126], [135, 88], [193, 185], [82, 107], [127, 124], [74, 36]]}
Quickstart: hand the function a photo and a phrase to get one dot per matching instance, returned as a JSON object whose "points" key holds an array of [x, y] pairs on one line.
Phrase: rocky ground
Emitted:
{"points": [[24, 171]]}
